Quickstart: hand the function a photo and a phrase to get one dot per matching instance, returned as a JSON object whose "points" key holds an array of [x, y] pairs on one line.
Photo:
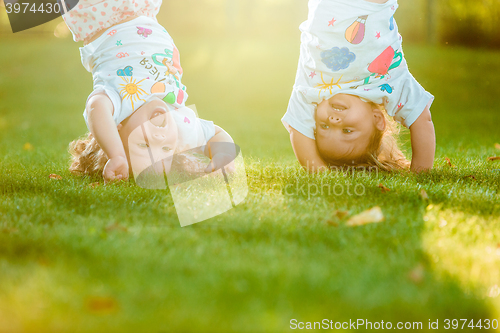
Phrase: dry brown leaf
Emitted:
{"points": [[115, 226], [448, 161], [102, 304], [383, 188], [494, 158], [341, 214], [94, 185], [416, 275], [43, 261], [373, 215], [9, 230], [54, 176], [28, 146], [497, 146], [423, 194], [332, 223]]}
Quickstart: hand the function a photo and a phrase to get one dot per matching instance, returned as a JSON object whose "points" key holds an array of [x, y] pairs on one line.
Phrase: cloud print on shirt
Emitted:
{"points": [[337, 59]]}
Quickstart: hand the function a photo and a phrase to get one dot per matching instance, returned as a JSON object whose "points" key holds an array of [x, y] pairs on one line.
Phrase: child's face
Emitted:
{"points": [[344, 127], [149, 135]]}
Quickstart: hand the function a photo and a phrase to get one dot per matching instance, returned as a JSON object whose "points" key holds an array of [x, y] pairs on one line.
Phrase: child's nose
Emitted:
{"points": [[335, 119]]}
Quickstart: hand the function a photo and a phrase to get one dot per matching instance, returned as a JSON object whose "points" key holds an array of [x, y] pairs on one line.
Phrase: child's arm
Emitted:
{"points": [[220, 155], [423, 142], [306, 152], [103, 128]]}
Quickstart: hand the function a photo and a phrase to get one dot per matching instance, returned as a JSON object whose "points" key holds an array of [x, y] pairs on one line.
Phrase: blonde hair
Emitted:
{"points": [[87, 157], [383, 151]]}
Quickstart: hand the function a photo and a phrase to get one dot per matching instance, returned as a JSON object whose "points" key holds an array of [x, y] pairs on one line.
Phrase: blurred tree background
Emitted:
{"points": [[473, 23]]}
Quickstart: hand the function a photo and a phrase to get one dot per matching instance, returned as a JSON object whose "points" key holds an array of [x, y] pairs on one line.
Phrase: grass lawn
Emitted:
{"points": [[114, 259]]}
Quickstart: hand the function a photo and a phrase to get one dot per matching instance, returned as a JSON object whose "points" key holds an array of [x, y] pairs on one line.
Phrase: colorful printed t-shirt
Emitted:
{"points": [[352, 47], [135, 62], [91, 16]]}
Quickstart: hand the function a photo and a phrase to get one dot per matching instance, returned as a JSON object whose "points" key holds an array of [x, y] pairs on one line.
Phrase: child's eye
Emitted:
{"points": [[166, 149], [143, 145], [325, 126], [346, 130]]}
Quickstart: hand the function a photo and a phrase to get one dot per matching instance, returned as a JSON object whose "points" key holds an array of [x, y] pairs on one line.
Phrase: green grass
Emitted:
{"points": [[114, 258]]}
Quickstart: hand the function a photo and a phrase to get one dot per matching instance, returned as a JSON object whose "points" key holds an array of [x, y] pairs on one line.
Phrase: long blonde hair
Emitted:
{"points": [[383, 151]]}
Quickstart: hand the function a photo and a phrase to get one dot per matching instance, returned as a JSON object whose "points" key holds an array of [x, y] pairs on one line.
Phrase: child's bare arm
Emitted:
{"points": [[220, 155], [306, 152], [103, 128], [423, 142]]}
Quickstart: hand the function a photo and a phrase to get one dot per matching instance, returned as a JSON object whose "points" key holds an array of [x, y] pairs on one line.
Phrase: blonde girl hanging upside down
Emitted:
{"points": [[352, 76], [136, 113]]}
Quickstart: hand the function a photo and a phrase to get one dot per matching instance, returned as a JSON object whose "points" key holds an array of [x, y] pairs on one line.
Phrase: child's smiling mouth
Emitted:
{"points": [[159, 118]]}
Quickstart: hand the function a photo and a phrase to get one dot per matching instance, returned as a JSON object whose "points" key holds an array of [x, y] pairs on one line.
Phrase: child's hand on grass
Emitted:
{"points": [[115, 169], [221, 160]]}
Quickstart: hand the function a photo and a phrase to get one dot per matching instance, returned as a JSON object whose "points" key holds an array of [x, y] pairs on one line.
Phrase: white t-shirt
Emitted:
{"points": [[193, 132], [352, 47], [136, 61]]}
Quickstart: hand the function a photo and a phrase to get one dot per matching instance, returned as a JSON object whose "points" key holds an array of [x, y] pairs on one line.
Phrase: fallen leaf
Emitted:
{"points": [[102, 304], [373, 215], [28, 146], [471, 177], [54, 176], [383, 188], [423, 194], [94, 185], [416, 275], [494, 158], [341, 214], [332, 223], [43, 261], [497, 146], [115, 226], [9, 230], [448, 161]]}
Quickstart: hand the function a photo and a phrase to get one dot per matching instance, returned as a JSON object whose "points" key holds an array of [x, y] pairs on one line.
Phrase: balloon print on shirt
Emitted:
{"points": [[356, 32], [384, 63], [391, 23], [337, 59]]}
